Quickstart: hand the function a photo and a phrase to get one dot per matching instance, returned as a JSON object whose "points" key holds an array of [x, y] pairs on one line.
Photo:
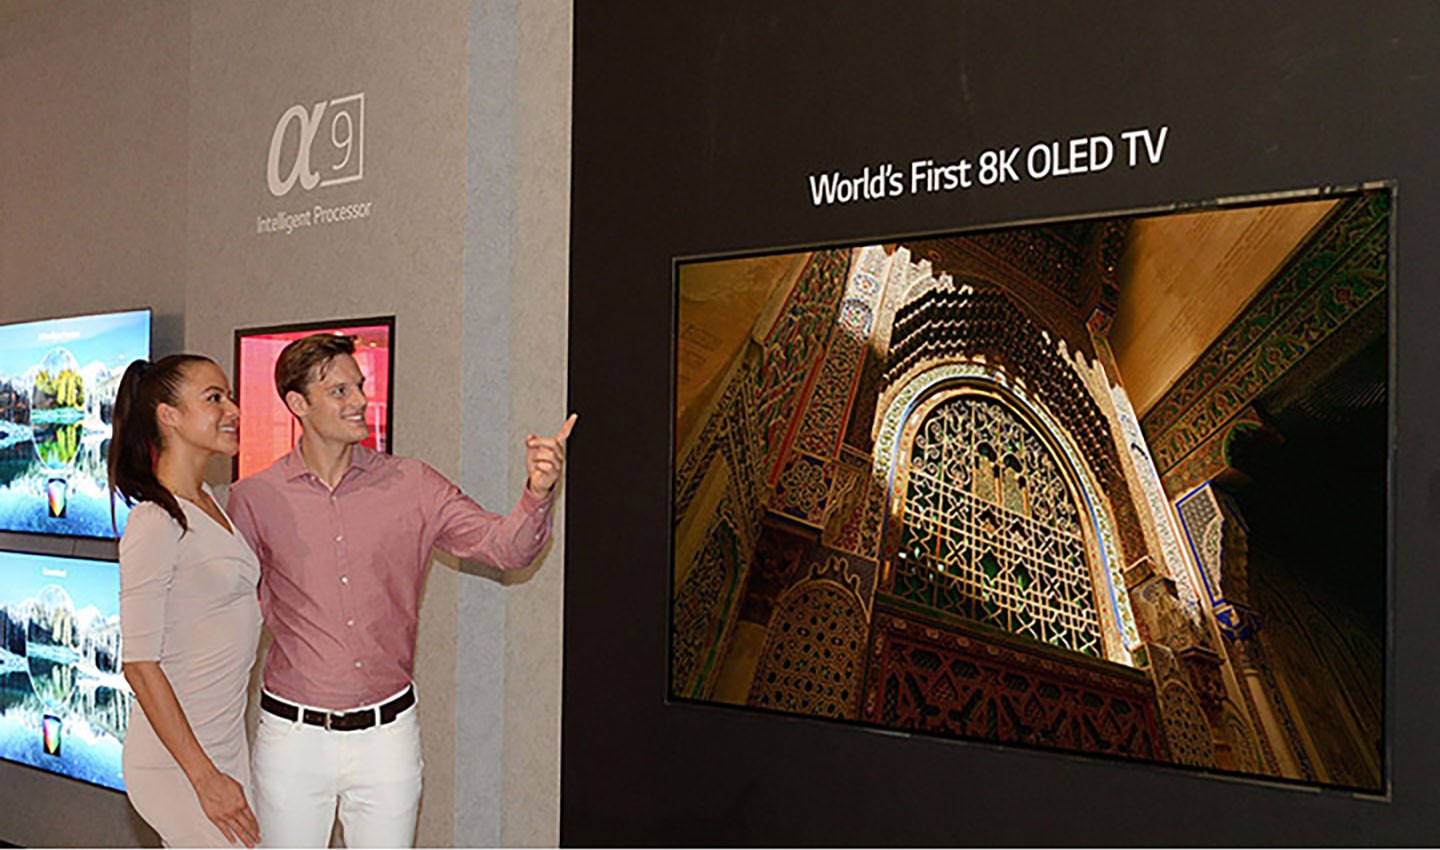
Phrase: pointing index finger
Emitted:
{"points": [[567, 428]]}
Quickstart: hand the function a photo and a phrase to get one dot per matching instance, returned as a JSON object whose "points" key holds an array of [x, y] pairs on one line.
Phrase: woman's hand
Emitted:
{"points": [[221, 797], [223, 800]]}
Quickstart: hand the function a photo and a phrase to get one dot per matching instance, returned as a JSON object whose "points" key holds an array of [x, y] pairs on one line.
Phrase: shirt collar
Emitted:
{"points": [[361, 458]]}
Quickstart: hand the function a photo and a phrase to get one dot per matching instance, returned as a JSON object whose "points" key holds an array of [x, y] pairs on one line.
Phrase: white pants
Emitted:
{"points": [[300, 772]]}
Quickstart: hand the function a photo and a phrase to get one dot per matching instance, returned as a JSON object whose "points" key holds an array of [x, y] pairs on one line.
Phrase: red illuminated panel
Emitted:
{"points": [[267, 429]]}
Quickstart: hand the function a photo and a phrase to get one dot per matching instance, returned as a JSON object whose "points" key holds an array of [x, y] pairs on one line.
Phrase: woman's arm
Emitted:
{"points": [[221, 797]]}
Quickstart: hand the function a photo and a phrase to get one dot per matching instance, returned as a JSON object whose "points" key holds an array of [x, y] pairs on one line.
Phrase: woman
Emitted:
{"points": [[189, 615]]}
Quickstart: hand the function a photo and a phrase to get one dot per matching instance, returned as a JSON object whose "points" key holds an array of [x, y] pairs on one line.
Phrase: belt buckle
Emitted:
{"points": [[328, 715]]}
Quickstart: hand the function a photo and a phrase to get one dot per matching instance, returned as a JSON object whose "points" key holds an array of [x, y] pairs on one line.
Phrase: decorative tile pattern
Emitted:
{"points": [[1333, 277], [701, 610], [859, 531], [732, 435], [1186, 729], [941, 681], [973, 319], [793, 348], [814, 652], [1176, 565], [1201, 516], [888, 447], [834, 393], [989, 529]]}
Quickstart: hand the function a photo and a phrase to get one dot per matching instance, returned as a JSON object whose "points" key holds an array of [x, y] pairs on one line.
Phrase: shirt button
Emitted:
{"points": [[344, 579], [339, 537], [350, 623], [359, 664]]}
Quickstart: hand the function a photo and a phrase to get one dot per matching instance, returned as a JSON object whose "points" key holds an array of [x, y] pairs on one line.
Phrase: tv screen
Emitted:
{"points": [[1054, 486], [64, 704], [58, 380], [267, 430]]}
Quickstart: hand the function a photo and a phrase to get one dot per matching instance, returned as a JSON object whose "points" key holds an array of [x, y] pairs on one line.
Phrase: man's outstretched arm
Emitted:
{"points": [[509, 541]]}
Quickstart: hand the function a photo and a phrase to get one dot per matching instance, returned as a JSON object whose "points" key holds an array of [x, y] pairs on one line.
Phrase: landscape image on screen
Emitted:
{"points": [[267, 429], [64, 704], [1113, 486], [58, 380]]}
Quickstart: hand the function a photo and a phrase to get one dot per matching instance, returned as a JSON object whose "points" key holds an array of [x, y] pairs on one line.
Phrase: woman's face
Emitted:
{"points": [[204, 415]]}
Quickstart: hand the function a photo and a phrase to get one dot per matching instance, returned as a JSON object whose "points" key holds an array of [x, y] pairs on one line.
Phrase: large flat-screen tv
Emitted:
{"points": [[58, 380], [64, 704], [267, 430], [1053, 486]]}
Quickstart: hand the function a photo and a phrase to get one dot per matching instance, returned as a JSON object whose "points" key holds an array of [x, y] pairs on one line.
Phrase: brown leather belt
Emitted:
{"points": [[341, 721]]}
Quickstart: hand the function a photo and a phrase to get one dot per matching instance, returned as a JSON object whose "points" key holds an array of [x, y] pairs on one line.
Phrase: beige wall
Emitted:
{"points": [[132, 172], [507, 777], [247, 68], [93, 129]]}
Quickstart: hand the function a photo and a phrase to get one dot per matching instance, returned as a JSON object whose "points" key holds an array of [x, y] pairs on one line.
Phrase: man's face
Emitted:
{"points": [[333, 407]]}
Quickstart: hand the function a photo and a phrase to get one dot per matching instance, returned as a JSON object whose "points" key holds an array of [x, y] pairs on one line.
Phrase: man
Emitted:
{"points": [[344, 535]]}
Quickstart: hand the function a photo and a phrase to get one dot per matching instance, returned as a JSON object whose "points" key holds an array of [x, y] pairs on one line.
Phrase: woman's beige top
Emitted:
{"points": [[189, 602]]}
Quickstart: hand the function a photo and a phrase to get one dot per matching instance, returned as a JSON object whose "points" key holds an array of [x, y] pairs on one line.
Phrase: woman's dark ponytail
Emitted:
{"points": [[135, 432]]}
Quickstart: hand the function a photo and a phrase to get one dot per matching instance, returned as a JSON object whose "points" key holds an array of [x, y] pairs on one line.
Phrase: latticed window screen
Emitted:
{"points": [[991, 532]]}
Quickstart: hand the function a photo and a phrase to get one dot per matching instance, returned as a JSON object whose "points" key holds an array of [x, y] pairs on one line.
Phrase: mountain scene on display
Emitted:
{"points": [[58, 381], [64, 704]]}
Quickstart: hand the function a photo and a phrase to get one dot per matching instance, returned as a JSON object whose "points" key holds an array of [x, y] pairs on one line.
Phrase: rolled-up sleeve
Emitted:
{"points": [[464, 529], [147, 568]]}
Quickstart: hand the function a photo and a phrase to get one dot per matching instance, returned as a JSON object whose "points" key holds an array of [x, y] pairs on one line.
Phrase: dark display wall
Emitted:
{"points": [[711, 131]]}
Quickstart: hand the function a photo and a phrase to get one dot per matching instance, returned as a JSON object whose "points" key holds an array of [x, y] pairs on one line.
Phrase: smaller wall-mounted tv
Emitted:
{"points": [[58, 380], [267, 429], [64, 703]]}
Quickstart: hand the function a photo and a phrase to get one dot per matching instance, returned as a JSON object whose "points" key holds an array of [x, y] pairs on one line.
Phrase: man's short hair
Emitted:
{"points": [[306, 360]]}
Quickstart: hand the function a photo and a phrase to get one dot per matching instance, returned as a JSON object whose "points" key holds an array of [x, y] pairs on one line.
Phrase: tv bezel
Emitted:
{"points": [[1265, 199]]}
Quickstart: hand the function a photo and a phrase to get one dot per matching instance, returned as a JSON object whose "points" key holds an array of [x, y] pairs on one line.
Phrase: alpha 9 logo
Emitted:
{"points": [[340, 156]]}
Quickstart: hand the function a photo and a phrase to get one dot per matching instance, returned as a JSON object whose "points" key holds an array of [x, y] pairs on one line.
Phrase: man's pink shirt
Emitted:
{"points": [[342, 570]]}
